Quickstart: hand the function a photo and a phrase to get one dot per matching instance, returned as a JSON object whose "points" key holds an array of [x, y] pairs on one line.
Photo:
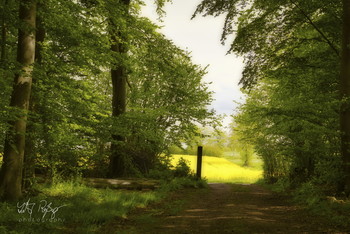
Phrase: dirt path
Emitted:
{"points": [[223, 208]]}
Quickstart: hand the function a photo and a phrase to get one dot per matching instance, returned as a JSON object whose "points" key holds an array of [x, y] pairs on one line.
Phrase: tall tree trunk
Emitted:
{"points": [[345, 92], [29, 151], [3, 32], [11, 171], [119, 76]]}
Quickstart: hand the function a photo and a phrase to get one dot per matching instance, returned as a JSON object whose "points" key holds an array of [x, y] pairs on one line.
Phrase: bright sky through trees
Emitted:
{"points": [[202, 36]]}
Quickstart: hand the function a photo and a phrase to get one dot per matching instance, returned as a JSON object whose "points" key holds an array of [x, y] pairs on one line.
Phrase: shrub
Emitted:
{"points": [[308, 194], [164, 170], [182, 168]]}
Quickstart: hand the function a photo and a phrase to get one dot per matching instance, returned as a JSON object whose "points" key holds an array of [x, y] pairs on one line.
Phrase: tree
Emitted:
{"points": [[166, 97], [292, 53], [118, 34], [3, 32], [70, 125], [11, 171], [29, 151], [239, 144], [345, 93], [155, 76]]}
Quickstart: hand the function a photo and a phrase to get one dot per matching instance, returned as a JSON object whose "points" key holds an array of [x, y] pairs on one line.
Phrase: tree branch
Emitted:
{"points": [[315, 27]]}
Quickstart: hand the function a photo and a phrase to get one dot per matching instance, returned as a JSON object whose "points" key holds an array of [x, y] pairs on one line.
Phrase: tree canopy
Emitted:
{"points": [[70, 126], [292, 52]]}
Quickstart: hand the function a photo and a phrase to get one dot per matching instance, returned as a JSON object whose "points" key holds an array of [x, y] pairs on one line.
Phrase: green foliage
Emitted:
{"points": [[94, 206], [174, 149], [208, 150], [266, 28], [240, 145], [165, 169], [167, 89], [311, 196], [84, 209], [182, 168], [69, 123], [213, 141], [308, 194], [183, 182], [291, 76]]}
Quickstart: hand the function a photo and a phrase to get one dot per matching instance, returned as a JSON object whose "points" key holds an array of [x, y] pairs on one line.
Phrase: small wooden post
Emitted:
{"points": [[199, 161]]}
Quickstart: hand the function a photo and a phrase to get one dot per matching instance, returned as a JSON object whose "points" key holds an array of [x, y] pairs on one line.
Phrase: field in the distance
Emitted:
{"points": [[216, 169]]}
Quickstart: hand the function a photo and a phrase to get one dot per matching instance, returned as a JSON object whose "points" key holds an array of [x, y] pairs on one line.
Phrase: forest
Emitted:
{"points": [[97, 92], [92, 89], [297, 83]]}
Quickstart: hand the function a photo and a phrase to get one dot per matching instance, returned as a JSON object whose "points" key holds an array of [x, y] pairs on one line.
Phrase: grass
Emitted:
{"points": [[70, 207], [82, 209], [216, 169]]}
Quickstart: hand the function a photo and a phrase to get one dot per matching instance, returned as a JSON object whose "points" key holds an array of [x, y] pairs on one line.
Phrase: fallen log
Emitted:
{"points": [[130, 184]]}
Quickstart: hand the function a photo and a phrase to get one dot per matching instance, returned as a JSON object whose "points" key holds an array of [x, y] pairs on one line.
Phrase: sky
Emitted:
{"points": [[201, 37]]}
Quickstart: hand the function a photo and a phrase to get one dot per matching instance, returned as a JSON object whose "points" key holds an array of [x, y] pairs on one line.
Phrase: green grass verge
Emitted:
{"points": [[70, 207], [333, 210], [216, 169]]}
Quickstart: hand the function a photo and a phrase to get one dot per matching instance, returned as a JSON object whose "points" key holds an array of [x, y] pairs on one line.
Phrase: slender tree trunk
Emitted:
{"points": [[29, 151], [345, 92], [3, 32], [11, 171], [3, 41], [119, 76]]}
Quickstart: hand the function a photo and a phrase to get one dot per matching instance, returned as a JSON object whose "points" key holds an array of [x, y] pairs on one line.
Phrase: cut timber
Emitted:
{"points": [[131, 184]]}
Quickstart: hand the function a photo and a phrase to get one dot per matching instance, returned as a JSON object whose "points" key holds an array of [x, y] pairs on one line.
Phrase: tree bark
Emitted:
{"points": [[29, 151], [3, 33], [119, 77], [345, 92], [11, 171]]}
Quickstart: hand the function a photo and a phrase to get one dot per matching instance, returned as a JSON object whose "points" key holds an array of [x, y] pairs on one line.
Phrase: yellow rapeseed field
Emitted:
{"points": [[217, 169]]}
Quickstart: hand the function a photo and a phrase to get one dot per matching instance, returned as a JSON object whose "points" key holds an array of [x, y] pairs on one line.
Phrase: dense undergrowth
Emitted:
{"points": [[335, 208]]}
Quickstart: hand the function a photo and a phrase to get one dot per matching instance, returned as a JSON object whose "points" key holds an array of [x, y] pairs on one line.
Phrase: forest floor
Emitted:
{"points": [[222, 208]]}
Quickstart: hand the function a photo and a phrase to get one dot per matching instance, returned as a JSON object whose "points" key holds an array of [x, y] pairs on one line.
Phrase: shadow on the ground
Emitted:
{"points": [[223, 208]]}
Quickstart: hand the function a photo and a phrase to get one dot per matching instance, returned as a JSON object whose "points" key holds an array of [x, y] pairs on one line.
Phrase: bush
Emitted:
{"points": [[182, 168], [334, 210], [164, 170], [308, 194], [183, 182]]}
